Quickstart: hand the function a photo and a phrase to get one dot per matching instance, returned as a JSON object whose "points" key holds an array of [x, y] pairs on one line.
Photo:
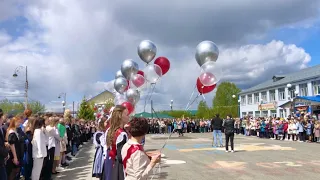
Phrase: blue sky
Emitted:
{"points": [[304, 37]]}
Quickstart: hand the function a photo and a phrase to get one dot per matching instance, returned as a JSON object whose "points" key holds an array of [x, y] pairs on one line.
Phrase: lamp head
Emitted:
{"points": [[15, 75], [233, 96], [289, 85]]}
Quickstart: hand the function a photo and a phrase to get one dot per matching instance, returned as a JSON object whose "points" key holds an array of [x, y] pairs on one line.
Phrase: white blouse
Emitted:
{"points": [[39, 149], [138, 165]]}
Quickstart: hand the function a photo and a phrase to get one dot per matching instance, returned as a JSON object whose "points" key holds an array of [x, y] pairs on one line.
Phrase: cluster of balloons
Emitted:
{"points": [[100, 111], [206, 55], [130, 81]]}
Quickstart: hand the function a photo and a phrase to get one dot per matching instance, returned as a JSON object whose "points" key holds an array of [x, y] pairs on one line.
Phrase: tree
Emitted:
{"points": [[223, 102], [203, 110], [86, 111], [15, 107]]}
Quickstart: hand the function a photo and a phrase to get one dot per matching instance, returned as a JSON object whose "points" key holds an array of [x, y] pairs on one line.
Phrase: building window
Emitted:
{"points": [[292, 93], [282, 95], [244, 114], [303, 90], [272, 95], [316, 87], [282, 113], [250, 114], [256, 98], [264, 96], [257, 114], [273, 113], [250, 99], [264, 113], [243, 100]]}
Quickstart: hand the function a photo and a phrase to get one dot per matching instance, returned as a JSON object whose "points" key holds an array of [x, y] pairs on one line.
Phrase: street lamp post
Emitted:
{"points": [[15, 74], [64, 96], [234, 96], [171, 104]]}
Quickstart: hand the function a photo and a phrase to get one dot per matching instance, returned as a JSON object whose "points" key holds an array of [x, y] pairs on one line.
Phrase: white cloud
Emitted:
{"points": [[73, 46]]}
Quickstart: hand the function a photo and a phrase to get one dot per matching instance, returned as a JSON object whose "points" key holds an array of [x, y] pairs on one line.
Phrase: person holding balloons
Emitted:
{"points": [[115, 139]]}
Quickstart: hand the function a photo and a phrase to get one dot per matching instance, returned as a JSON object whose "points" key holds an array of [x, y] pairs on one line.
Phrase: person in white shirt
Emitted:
{"points": [[39, 149]]}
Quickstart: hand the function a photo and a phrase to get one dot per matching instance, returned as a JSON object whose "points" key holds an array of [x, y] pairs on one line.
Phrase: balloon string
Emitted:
{"points": [[191, 96], [193, 101], [146, 99], [152, 90], [171, 133]]}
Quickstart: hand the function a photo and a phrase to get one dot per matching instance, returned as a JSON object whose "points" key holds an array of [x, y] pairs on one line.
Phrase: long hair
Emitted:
{"points": [[115, 123], [12, 125]]}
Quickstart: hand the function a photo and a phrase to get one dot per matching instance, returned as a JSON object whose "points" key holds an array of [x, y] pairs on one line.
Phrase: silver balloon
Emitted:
{"points": [[206, 51], [118, 74], [129, 68], [120, 85], [133, 96], [119, 99], [147, 50]]}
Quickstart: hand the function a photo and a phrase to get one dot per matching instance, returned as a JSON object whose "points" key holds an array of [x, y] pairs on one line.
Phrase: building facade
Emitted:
{"points": [[102, 98], [265, 99]]}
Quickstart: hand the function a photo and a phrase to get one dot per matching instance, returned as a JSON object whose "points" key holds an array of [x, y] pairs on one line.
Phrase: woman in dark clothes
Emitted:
{"points": [[16, 149]]}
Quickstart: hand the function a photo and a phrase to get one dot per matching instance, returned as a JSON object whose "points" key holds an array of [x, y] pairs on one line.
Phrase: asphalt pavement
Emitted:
{"points": [[192, 157]]}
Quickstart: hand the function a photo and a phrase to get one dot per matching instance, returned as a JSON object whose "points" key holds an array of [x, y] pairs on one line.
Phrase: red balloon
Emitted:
{"points": [[138, 80], [141, 73], [204, 89], [164, 64], [129, 107], [98, 115]]}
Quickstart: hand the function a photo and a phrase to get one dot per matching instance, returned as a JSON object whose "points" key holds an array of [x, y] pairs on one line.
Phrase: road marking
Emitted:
{"points": [[245, 147]]}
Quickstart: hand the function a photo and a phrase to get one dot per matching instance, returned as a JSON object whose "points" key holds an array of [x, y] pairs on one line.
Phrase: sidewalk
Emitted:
{"points": [[81, 166]]}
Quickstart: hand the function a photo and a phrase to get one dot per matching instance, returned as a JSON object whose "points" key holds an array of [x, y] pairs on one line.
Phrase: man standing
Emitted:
{"points": [[4, 156], [217, 127]]}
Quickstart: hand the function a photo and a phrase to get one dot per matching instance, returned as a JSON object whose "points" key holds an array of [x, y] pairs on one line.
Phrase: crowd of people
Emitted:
{"points": [[39, 146], [302, 128]]}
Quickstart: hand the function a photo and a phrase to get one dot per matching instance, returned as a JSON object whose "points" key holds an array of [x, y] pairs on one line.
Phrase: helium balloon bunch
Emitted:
{"points": [[130, 81], [147, 51], [207, 54], [127, 85], [100, 111]]}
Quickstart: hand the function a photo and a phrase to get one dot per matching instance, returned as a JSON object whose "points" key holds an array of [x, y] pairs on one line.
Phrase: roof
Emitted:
{"points": [[304, 74], [310, 98], [154, 115], [103, 92]]}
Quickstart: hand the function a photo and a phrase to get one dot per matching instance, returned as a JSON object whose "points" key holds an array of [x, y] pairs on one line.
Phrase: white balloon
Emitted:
{"points": [[211, 73], [152, 73]]}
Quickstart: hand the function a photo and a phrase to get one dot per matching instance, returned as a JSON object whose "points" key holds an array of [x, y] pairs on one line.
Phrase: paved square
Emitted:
{"points": [[192, 157]]}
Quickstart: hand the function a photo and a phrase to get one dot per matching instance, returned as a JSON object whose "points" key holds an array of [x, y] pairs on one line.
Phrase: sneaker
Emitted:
{"points": [[232, 151], [227, 151]]}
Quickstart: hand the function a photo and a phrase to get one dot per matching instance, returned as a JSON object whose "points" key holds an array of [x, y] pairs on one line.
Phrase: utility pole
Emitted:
{"points": [[26, 89], [73, 108], [15, 74]]}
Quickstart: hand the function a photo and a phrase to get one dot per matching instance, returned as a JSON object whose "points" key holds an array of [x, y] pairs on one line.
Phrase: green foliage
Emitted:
{"points": [[223, 102], [86, 111], [177, 113], [203, 110], [14, 107]]}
